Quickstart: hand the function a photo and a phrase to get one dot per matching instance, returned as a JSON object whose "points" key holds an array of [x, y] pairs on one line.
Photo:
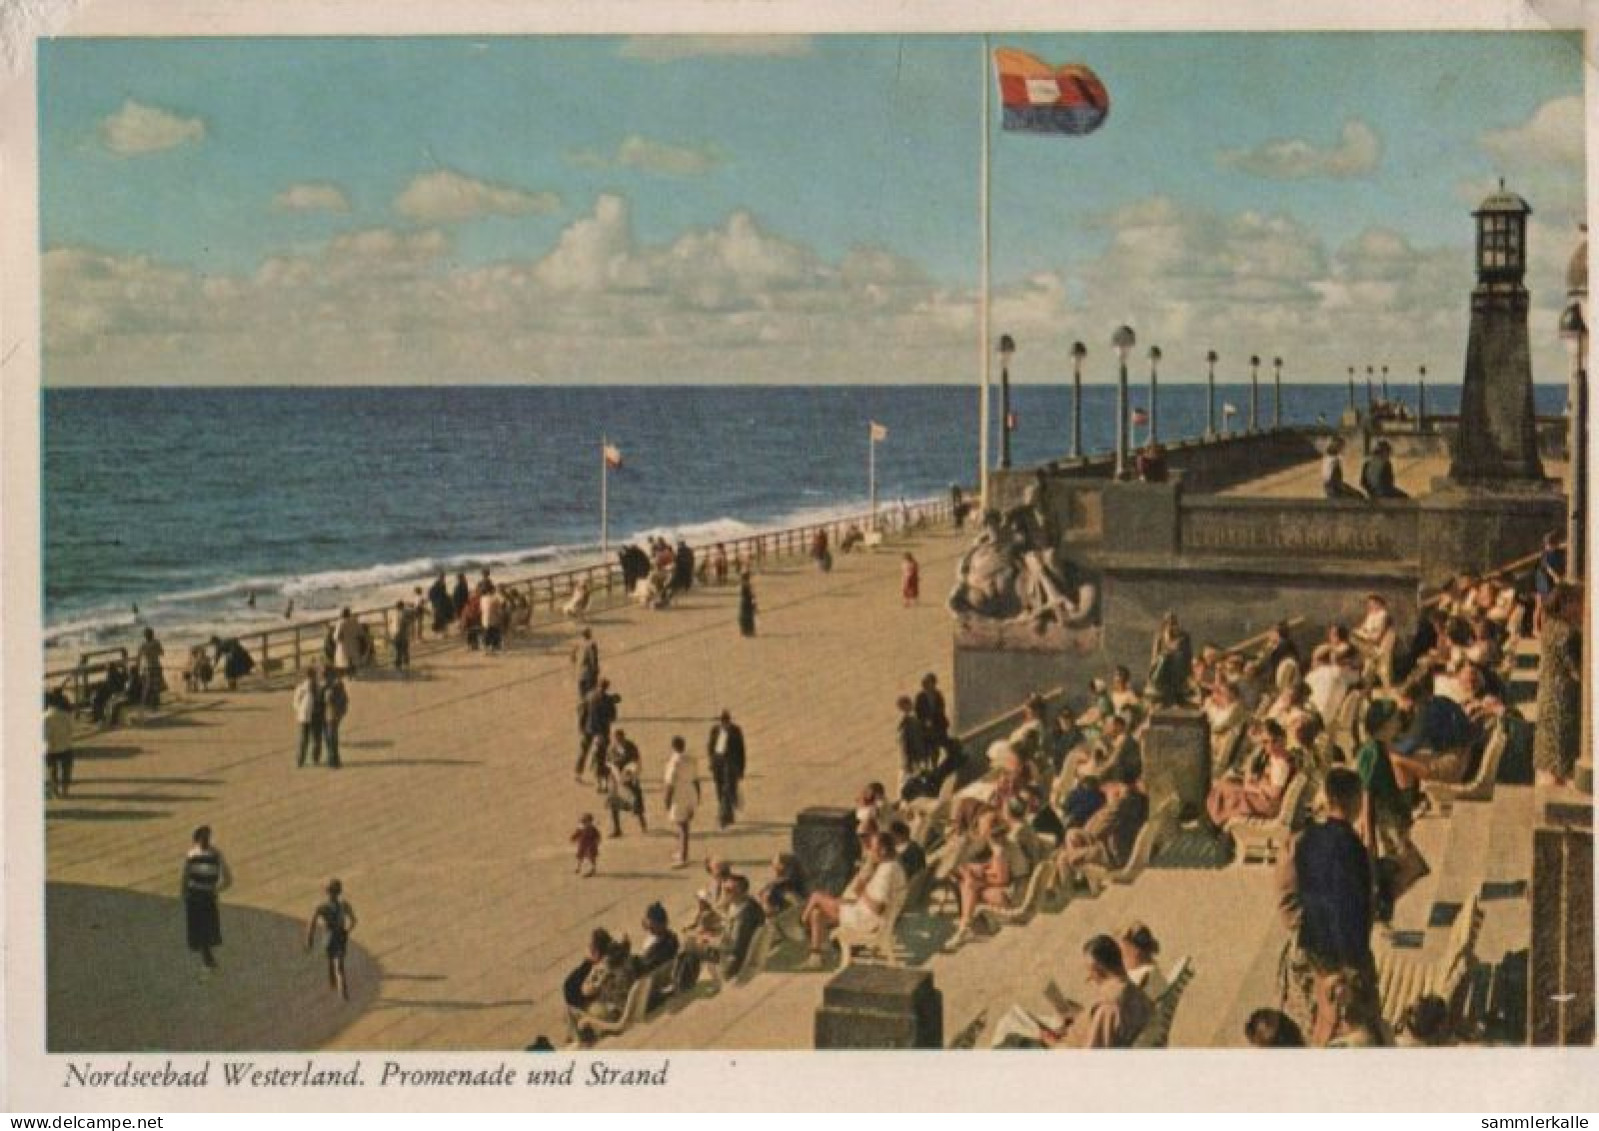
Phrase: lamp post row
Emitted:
{"points": [[1123, 341]]}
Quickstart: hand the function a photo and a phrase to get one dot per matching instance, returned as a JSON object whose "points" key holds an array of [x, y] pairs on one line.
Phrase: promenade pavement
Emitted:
{"points": [[449, 822]]}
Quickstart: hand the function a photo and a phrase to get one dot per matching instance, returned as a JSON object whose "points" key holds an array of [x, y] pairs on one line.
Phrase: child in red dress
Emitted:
{"points": [[587, 839]]}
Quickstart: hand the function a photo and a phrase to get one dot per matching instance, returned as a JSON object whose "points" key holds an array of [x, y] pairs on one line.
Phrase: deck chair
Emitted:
{"points": [[633, 1010], [1156, 831], [1157, 1031], [881, 939], [1037, 884], [1443, 795], [1346, 722], [761, 946], [1259, 839], [1403, 979]]}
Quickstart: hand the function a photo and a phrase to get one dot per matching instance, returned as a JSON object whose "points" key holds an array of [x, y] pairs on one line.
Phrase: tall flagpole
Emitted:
{"points": [[871, 468], [605, 511], [982, 299]]}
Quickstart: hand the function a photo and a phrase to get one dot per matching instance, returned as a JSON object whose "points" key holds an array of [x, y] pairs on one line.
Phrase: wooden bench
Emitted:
{"points": [[1157, 1030], [1259, 839], [1443, 795], [1402, 979]]}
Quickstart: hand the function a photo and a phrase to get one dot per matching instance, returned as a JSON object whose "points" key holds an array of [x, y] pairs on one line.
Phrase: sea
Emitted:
{"points": [[183, 504]]}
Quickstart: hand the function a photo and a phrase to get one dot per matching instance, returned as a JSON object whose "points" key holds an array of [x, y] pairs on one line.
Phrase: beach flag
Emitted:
{"points": [[1011, 421], [1044, 99], [1229, 410], [613, 457], [879, 432], [1140, 416]]}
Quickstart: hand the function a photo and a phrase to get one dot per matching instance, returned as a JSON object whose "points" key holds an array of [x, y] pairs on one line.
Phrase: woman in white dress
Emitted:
{"points": [[682, 795]]}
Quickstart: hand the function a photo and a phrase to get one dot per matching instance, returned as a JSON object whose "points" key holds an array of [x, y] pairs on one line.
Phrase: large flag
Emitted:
{"points": [[1040, 98], [613, 457], [879, 432]]}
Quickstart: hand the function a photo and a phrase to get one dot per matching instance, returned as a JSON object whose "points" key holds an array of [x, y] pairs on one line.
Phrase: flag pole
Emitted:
{"points": [[871, 469], [605, 509], [982, 298]]}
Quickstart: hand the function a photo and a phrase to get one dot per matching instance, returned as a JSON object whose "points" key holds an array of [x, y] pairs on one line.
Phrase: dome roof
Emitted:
{"points": [[1577, 270], [1503, 201]]}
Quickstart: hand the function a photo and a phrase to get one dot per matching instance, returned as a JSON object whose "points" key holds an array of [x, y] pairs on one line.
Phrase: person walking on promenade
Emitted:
{"points": [[337, 917], [205, 877], [627, 791], [459, 594], [1557, 740], [335, 705], [933, 715], [725, 749], [400, 622], [746, 606], [910, 584], [58, 743], [586, 658], [310, 713], [491, 606], [150, 679], [346, 642], [682, 568], [443, 606], [719, 564], [820, 553], [682, 796], [913, 756], [587, 838], [597, 716]]}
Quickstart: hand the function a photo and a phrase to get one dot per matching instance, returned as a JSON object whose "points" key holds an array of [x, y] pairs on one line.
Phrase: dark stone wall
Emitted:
{"points": [[1223, 606], [1299, 528], [1464, 529], [991, 682]]}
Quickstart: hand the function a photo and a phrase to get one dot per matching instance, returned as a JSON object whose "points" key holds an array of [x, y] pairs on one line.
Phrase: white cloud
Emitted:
{"points": [[315, 196], [1552, 136], [660, 158], [139, 128], [738, 301], [671, 48], [446, 196], [1356, 153]]}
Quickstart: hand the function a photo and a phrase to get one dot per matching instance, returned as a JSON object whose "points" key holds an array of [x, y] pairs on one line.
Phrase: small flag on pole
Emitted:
{"points": [[1011, 421], [1140, 416], [1229, 410], [613, 457], [1040, 98], [879, 432]]}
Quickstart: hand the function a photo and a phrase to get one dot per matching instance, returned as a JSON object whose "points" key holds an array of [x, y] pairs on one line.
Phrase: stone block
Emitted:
{"points": [[1141, 518], [994, 681], [1177, 760], [1561, 981], [827, 847], [880, 1007]]}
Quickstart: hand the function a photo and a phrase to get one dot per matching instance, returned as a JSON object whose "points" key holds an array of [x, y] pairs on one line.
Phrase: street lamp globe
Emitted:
{"points": [[1079, 351], [1573, 330], [1123, 340]]}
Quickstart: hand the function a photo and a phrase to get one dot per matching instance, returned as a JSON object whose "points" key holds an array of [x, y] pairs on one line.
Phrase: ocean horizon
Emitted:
{"points": [[187, 500]]}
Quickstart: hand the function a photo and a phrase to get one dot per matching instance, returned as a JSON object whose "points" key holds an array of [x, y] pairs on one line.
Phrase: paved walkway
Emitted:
{"points": [[449, 822]]}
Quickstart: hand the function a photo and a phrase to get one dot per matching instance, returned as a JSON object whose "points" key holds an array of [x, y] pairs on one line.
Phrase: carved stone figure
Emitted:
{"points": [[1014, 572]]}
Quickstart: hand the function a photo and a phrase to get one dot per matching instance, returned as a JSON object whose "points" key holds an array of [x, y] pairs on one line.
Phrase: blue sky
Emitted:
{"points": [[829, 145]]}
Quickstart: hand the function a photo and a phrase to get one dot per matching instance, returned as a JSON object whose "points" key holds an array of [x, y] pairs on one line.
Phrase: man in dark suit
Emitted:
{"points": [[597, 714], [587, 658], [930, 711], [1377, 474], [725, 750], [912, 739], [740, 924]]}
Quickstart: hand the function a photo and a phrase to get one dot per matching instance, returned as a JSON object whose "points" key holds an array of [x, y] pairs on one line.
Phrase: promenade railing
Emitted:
{"points": [[292, 647]]}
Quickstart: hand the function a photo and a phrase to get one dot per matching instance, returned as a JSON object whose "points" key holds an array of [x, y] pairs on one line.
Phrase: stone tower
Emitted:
{"points": [[1497, 443]]}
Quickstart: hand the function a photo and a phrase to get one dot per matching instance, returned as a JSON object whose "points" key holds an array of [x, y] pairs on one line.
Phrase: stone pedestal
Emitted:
{"points": [[880, 1007], [998, 668], [1497, 440], [827, 847], [1561, 985], [1177, 760]]}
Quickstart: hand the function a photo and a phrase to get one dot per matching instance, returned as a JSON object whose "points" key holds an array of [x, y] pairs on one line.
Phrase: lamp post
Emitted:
{"points": [[1351, 388], [1254, 393], [1079, 351], [1210, 394], [1007, 348], [1385, 384], [1154, 394], [1277, 392], [1371, 397], [1123, 340], [1574, 333], [1421, 398]]}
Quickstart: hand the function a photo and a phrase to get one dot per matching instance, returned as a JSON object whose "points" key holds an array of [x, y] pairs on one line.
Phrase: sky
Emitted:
{"points": [[781, 209]]}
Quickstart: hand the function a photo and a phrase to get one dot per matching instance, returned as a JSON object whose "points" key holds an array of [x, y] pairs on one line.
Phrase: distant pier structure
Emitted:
{"points": [[1076, 568]]}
